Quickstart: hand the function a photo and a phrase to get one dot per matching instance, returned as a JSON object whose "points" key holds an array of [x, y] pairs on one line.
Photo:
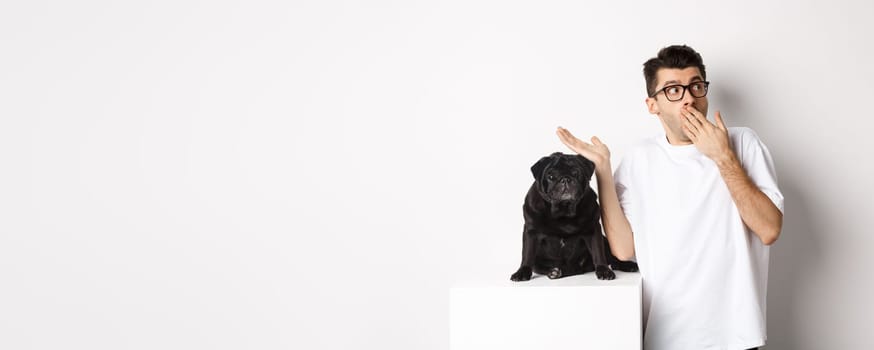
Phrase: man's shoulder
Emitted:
{"points": [[640, 150], [743, 136], [743, 132]]}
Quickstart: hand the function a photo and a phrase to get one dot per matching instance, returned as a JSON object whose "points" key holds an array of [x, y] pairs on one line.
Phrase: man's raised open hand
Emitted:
{"points": [[596, 151]]}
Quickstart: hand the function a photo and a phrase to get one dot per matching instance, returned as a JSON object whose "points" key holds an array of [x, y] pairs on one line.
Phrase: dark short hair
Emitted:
{"points": [[674, 56]]}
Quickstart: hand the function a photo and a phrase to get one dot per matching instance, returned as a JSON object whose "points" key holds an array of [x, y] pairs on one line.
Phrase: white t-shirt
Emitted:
{"points": [[704, 272]]}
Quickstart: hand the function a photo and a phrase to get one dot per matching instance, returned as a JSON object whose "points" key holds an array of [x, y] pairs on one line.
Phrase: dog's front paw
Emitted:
{"points": [[523, 274], [604, 273], [627, 266], [554, 273]]}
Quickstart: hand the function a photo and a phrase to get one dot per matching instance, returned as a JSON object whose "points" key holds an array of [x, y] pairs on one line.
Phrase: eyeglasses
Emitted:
{"points": [[676, 92]]}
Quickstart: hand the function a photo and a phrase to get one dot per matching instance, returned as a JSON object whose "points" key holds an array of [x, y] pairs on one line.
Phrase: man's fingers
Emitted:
{"points": [[698, 116], [562, 133], [596, 141], [689, 113], [687, 116], [572, 142], [719, 122], [565, 138], [565, 134], [690, 133], [691, 123]]}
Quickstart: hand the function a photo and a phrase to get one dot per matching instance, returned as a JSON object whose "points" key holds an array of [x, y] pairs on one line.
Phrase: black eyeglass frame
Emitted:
{"points": [[685, 87]]}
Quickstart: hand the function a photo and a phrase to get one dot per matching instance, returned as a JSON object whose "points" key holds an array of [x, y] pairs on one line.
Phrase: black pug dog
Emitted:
{"points": [[562, 235]]}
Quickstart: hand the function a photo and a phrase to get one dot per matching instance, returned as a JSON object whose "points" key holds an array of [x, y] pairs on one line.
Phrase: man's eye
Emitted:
{"points": [[673, 90]]}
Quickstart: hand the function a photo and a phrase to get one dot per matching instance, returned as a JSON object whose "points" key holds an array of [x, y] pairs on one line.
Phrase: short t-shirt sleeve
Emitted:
{"points": [[757, 161]]}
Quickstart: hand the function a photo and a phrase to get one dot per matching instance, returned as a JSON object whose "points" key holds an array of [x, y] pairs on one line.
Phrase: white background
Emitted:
{"points": [[316, 175]]}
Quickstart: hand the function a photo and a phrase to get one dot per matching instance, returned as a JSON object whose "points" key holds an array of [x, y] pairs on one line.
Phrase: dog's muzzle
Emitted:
{"points": [[565, 190]]}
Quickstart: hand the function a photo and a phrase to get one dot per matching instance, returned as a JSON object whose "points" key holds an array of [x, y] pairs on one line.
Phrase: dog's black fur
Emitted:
{"points": [[562, 235]]}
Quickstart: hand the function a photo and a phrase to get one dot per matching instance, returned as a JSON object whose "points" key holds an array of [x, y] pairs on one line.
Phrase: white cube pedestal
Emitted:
{"points": [[577, 312]]}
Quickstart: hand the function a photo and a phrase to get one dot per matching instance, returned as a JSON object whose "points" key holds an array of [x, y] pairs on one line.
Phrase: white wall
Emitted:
{"points": [[315, 175]]}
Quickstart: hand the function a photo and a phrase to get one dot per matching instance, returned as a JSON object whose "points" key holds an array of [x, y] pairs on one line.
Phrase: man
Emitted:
{"points": [[697, 207]]}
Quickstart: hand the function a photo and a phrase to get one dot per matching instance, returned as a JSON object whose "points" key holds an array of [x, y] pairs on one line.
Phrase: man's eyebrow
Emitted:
{"points": [[677, 82]]}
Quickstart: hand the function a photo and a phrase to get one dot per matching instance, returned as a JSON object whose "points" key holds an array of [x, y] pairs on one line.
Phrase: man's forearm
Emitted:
{"points": [[616, 225], [756, 209]]}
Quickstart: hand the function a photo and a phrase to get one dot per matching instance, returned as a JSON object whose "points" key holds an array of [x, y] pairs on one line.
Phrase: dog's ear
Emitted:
{"points": [[538, 168], [587, 165]]}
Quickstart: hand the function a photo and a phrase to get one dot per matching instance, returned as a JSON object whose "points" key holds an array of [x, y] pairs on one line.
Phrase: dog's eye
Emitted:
{"points": [[550, 177]]}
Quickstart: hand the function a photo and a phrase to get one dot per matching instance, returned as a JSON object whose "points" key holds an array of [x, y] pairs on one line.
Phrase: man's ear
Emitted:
{"points": [[652, 105]]}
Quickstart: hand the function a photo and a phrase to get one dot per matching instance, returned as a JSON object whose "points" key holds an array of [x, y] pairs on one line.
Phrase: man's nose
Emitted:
{"points": [[688, 99]]}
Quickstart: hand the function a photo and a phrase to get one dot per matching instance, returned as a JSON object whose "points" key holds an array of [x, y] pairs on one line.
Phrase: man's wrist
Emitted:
{"points": [[604, 169], [726, 159]]}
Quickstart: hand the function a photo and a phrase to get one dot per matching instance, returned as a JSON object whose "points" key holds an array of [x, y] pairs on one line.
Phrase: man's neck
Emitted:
{"points": [[674, 141]]}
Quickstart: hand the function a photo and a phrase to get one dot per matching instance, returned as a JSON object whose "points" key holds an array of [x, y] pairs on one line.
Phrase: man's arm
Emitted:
{"points": [[757, 211], [616, 225]]}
